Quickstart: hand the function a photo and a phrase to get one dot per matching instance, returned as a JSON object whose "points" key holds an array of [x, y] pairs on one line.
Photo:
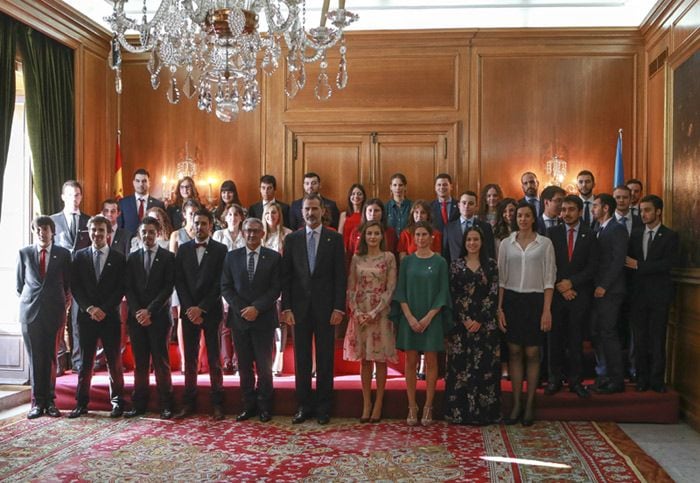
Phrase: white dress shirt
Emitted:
{"points": [[224, 236], [527, 271]]}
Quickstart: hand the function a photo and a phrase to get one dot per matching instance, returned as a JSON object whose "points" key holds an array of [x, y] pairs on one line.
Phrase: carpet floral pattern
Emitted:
{"points": [[96, 448]]}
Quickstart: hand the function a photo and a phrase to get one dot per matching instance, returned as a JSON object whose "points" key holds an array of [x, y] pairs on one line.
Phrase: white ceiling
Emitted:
{"points": [[417, 14]]}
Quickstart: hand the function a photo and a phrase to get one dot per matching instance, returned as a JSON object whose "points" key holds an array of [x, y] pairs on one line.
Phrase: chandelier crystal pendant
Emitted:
{"points": [[214, 46]]}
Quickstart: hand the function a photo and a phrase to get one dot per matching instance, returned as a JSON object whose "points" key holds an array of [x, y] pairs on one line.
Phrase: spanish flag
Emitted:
{"points": [[117, 185]]}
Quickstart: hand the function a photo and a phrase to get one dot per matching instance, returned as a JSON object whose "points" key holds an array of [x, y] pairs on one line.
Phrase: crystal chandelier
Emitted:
{"points": [[214, 45], [556, 170]]}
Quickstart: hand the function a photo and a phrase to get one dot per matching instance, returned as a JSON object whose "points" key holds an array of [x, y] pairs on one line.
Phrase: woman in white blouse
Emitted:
{"points": [[275, 232], [232, 236], [527, 272]]}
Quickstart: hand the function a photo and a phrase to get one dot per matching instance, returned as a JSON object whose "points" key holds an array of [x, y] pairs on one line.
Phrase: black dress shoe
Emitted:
{"points": [[53, 411], [580, 390], [660, 388], [265, 416], [323, 419], [116, 412], [77, 412], [166, 413], [35, 412], [527, 422], [300, 417], [134, 412], [218, 413], [185, 411], [611, 388], [246, 415], [552, 388]]}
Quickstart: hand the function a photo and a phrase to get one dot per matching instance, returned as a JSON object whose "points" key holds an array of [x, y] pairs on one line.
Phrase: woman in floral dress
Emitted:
{"points": [[370, 337], [472, 382]]}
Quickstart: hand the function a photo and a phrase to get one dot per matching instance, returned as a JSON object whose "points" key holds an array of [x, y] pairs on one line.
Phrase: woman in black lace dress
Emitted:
{"points": [[473, 382]]}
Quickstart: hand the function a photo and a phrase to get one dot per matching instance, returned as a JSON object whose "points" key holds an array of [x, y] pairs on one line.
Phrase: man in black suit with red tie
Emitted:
{"points": [[313, 302], [43, 286], [198, 267], [97, 282], [576, 251], [608, 294], [251, 284], [150, 277], [134, 207], [653, 252], [444, 209]]}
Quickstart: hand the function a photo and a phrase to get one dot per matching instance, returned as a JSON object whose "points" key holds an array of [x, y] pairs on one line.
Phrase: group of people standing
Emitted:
{"points": [[486, 284]]}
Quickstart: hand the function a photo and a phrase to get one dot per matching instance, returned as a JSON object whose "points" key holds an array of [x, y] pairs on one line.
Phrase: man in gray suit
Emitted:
{"points": [[43, 285], [251, 284], [71, 233]]}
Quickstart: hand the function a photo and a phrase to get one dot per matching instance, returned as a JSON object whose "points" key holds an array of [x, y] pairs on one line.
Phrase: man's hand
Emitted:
{"points": [[336, 317], [564, 285], [249, 313], [631, 263], [288, 317], [599, 292], [194, 313], [97, 314]]}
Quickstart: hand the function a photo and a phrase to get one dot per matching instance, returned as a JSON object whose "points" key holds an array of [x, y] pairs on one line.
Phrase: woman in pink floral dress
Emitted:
{"points": [[370, 337]]}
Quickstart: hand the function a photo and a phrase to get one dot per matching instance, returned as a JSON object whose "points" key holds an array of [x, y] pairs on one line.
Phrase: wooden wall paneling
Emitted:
{"points": [[155, 134], [339, 159], [656, 133], [528, 102], [687, 24]]}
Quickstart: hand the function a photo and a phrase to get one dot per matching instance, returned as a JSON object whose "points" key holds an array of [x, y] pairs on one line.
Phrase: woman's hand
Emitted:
{"points": [[546, 321], [472, 325], [502, 320]]}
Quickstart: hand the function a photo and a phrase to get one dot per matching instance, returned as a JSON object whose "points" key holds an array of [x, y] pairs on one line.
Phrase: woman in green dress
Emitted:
{"points": [[424, 295]]}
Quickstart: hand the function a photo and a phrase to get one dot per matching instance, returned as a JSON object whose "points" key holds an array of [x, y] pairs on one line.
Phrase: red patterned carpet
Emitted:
{"points": [[96, 448]]}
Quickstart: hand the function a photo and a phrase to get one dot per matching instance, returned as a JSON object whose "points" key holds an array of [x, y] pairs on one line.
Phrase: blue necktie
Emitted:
{"points": [[98, 265], [251, 266], [311, 251]]}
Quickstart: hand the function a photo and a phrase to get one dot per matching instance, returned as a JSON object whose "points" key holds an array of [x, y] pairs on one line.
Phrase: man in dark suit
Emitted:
{"points": [[97, 282], [585, 182], [531, 186], [198, 267], [268, 188], [467, 219], [609, 292], [631, 222], [120, 238], [636, 188], [653, 251], [444, 209], [71, 233], [251, 283], [134, 207], [150, 277], [312, 185], [313, 301], [576, 251], [551, 199], [43, 285]]}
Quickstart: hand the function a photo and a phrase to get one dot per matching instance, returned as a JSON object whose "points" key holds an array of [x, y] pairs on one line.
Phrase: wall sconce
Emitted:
{"points": [[556, 169]]}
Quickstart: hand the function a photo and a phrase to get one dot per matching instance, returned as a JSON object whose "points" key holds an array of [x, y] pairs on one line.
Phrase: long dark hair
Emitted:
{"points": [[227, 185], [525, 204], [350, 210], [363, 248], [483, 250], [502, 229], [483, 205], [411, 225]]}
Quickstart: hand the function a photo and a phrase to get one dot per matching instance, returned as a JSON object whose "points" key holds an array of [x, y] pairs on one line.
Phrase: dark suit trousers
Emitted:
{"points": [[649, 322], [566, 338], [191, 335], [151, 343], [304, 332], [41, 342], [109, 332], [254, 348], [605, 314]]}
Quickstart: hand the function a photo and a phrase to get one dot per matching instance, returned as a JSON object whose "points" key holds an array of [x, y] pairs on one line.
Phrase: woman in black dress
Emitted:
{"points": [[472, 383]]}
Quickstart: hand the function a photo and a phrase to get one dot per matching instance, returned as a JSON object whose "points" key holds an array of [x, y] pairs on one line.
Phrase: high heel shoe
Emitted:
{"points": [[412, 418], [373, 418], [427, 418], [510, 421], [528, 420]]}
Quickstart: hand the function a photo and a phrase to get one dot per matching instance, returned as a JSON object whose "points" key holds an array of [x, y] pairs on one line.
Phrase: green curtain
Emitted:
{"points": [[49, 93], [7, 91]]}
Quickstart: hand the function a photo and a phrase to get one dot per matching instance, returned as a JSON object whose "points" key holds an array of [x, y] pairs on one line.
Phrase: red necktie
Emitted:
{"points": [[42, 263], [571, 243], [140, 209], [444, 212]]}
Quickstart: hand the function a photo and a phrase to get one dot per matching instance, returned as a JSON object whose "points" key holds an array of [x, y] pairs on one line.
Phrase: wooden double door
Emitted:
{"points": [[343, 155]]}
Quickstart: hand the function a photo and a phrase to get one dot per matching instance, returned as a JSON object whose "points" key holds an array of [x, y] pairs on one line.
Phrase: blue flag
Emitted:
{"points": [[619, 178]]}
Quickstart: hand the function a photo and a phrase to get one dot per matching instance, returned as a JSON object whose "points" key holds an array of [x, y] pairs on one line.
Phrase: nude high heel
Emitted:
{"points": [[427, 418], [412, 418]]}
